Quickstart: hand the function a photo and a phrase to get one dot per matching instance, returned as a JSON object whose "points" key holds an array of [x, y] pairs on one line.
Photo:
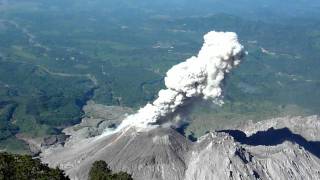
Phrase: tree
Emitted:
{"points": [[24, 167], [101, 171]]}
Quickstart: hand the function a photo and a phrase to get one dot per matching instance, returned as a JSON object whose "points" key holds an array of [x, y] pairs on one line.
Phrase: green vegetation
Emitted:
{"points": [[6, 128], [24, 167], [56, 55], [14, 145], [100, 171]]}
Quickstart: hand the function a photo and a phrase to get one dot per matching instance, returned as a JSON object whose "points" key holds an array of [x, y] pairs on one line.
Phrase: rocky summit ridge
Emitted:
{"points": [[280, 148]]}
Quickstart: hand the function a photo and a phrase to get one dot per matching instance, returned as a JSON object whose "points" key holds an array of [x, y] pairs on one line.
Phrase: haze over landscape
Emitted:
{"points": [[73, 70]]}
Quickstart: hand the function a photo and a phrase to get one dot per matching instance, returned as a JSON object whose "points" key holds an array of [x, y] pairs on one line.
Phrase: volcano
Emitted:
{"points": [[279, 148]]}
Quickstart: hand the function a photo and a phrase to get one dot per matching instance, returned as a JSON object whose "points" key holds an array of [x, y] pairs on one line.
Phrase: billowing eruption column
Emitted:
{"points": [[199, 76]]}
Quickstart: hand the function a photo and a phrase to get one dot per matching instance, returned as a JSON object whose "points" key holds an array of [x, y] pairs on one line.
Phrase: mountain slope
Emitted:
{"points": [[274, 149]]}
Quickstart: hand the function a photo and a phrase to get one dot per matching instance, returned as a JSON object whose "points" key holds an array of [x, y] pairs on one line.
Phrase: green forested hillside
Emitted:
{"points": [[24, 167], [56, 55]]}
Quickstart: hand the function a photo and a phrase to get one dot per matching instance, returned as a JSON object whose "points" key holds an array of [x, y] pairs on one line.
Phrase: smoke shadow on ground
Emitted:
{"points": [[186, 110], [272, 137], [181, 129]]}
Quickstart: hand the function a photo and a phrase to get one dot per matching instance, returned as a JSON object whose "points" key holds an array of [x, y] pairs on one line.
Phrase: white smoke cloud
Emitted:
{"points": [[199, 76]]}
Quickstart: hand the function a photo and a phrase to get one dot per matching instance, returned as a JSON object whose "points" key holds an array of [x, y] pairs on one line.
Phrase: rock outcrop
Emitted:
{"points": [[282, 148]]}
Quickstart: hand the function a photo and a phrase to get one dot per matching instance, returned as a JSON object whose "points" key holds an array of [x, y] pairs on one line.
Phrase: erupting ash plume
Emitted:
{"points": [[199, 76]]}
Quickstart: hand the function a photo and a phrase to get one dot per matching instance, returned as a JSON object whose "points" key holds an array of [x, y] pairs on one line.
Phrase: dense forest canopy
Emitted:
{"points": [[56, 55]]}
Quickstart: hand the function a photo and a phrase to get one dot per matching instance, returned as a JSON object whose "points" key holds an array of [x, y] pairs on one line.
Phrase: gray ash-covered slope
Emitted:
{"points": [[156, 154], [282, 148], [289, 149]]}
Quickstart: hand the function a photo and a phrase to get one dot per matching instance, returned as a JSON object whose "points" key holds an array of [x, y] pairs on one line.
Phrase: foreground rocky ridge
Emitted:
{"points": [[281, 148]]}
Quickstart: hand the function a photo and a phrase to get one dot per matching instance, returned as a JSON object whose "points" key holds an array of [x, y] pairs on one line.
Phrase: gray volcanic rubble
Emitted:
{"points": [[97, 118], [281, 148]]}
